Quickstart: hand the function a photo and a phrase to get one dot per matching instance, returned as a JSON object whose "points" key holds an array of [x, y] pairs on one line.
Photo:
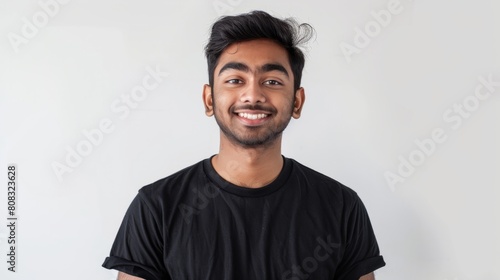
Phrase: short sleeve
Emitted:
{"points": [[361, 255], [138, 246]]}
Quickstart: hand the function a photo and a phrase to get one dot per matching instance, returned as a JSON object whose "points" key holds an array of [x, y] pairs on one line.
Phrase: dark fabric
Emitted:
{"points": [[195, 225]]}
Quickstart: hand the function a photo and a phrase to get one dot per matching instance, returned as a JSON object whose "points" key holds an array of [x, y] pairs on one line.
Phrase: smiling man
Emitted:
{"points": [[248, 212]]}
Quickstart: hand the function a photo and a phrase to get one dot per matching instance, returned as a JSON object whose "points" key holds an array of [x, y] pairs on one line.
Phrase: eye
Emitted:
{"points": [[272, 83], [234, 81]]}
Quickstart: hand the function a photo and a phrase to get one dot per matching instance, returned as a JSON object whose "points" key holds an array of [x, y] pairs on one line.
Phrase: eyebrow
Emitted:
{"points": [[268, 67]]}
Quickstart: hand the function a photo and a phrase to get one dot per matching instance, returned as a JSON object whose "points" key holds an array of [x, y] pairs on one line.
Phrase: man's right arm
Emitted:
{"points": [[124, 276], [136, 252]]}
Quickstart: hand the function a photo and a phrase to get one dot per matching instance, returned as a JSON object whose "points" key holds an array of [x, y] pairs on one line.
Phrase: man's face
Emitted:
{"points": [[253, 97]]}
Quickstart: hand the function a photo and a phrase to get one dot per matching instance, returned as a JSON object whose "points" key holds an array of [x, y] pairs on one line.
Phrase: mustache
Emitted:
{"points": [[256, 107]]}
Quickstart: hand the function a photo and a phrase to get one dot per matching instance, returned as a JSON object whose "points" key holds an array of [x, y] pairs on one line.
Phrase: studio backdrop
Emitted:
{"points": [[99, 98]]}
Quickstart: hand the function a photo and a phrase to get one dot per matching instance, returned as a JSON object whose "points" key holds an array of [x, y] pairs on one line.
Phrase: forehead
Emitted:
{"points": [[254, 53]]}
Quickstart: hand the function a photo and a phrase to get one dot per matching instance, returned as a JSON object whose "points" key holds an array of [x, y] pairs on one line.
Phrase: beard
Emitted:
{"points": [[254, 137]]}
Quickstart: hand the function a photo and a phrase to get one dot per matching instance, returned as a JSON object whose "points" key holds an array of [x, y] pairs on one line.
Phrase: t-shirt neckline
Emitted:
{"points": [[244, 191]]}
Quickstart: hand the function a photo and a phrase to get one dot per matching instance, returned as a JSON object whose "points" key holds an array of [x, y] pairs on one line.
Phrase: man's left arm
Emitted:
{"points": [[369, 276], [361, 256]]}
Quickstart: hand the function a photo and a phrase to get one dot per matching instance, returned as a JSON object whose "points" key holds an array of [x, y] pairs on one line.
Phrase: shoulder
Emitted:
{"points": [[323, 183], [173, 185]]}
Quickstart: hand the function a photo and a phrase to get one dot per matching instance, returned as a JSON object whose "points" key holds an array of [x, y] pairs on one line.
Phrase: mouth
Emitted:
{"points": [[250, 116], [253, 118]]}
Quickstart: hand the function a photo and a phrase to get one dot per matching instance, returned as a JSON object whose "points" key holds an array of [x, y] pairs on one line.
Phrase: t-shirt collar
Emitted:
{"points": [[245, 191]]}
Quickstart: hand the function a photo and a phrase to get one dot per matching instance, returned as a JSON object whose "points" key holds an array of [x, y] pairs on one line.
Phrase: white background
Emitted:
{"points": [[441, 223]]}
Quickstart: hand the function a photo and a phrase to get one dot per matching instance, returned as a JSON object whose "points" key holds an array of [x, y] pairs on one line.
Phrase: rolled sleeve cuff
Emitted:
{"points": [[133, 268], [364, 267]]}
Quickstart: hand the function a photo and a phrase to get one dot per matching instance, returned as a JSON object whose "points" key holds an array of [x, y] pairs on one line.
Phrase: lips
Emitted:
{"points": [[253, 118]]}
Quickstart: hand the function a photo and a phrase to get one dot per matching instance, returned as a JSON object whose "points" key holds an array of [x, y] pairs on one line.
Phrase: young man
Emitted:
{"points": [[248, 212]]}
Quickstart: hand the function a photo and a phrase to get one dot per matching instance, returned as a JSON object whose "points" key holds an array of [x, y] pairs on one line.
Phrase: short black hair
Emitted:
{"points": [[259, 25]]}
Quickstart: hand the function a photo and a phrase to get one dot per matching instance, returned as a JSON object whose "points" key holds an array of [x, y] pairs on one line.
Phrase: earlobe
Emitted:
{"points": [[300, 98], [207, 100]]}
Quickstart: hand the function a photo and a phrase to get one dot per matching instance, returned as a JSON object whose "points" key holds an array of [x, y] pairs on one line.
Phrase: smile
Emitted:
{"points": [[252, 116]]}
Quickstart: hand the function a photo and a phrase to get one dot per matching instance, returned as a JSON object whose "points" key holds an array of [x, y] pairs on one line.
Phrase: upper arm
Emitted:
{"points": [[369, 276], [125, 276], [361, 256], [137, 249]]}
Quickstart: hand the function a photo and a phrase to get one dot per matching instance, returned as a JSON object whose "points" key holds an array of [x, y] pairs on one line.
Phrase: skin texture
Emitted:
{"points": [[369, 276], [256, 78], [124, 276], [252, 90]]}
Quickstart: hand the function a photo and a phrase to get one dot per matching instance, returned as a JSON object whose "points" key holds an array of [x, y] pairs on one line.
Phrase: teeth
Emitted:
{"points": [[252, 116]]}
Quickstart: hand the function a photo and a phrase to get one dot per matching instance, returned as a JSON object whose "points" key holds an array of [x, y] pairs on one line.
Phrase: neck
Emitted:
{"points": [[248, 167]]}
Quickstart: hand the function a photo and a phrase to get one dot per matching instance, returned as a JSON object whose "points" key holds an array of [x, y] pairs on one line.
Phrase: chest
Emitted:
{"points": [[282, 237]]}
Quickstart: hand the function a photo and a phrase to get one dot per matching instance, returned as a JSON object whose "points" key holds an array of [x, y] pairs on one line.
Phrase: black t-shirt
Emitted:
{"points": [[196, 225]]}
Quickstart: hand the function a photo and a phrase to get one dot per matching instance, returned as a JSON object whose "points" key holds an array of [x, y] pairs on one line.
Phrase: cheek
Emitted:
{"points": [[286, 105], [221, 102]]}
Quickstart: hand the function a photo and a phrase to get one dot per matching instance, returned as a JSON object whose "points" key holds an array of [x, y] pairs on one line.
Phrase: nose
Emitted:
{"points": [[253, 93]]}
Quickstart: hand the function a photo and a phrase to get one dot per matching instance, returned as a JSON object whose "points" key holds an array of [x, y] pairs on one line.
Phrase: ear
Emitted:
{"points": [[300, 98], [207, 100]]}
